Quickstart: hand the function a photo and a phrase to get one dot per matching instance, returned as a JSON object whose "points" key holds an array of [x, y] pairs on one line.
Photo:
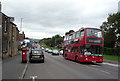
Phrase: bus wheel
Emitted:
{"points": [[66, 57], [76, 58]]}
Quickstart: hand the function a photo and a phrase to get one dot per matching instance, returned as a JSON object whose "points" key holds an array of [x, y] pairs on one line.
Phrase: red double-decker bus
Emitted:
{"points": [[84, 45]]}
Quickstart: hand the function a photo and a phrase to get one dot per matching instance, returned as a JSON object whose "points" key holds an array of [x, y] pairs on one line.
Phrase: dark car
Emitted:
{"points": [[36, 56]]}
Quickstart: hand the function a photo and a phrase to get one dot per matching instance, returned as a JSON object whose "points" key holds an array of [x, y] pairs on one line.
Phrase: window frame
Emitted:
{"points": [[82, 33]]}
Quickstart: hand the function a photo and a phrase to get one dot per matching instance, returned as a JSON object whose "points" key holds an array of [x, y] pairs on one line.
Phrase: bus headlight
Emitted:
{"points": [[86, 58]]}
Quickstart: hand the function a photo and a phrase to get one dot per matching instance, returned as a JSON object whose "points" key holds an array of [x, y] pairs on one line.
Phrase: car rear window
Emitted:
{"points": [[37, 52]]}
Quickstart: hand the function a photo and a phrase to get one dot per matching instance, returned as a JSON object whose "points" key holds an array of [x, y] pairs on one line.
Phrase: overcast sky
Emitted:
{"points": [[46, 18]]}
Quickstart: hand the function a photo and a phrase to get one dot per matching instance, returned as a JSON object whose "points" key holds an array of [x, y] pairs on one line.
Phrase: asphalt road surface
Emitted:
{"points": [[0, 69], [56, 67]]}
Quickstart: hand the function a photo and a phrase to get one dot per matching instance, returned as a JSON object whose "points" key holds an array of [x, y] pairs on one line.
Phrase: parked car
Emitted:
{"points": [[42, 48], [36, 56], [49, 51], [55, 52], [61, 52], [46, 49]]}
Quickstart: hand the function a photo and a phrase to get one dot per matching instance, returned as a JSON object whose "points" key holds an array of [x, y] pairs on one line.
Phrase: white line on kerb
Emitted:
{"points": [[23, 74], [111, 64]]}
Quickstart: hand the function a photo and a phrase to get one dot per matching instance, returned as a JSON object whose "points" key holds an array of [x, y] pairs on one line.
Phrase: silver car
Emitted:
{"points": [[61, 52], [49, 51], [55, 52]]}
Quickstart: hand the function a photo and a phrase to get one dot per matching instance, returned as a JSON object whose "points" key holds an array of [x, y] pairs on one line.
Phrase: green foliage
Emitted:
{"points": [[111, 57], [110, 39], [55, 41], [111, 29], [71, 31], [111, 51]]}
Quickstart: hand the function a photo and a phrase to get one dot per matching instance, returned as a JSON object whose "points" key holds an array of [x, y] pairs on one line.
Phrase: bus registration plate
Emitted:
{"points": [[93, 61]]}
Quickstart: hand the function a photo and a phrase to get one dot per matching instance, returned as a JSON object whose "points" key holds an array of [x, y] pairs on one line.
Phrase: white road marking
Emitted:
{"points": [[23, 74], [96, 65], [33, 77], [111, 64], [98, 70]]}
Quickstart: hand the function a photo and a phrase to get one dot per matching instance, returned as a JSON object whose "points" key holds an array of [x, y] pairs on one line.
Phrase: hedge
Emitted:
{"points": [[111, 51]]}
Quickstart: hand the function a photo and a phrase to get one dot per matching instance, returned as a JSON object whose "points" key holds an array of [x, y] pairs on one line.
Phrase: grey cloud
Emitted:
{"points": [[58, 16], [48, 14]]}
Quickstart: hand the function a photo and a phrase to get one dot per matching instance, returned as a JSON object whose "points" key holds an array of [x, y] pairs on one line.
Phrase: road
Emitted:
{"points": [[0, 68], [56, 67]]}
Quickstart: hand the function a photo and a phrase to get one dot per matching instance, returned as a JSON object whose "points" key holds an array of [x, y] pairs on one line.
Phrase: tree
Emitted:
{"points": [[55, 41], [111, 29], [109, 39], [71, 31]]}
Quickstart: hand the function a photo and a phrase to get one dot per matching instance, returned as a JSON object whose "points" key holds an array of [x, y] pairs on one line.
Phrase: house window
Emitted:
{"points": [[5, 26]]}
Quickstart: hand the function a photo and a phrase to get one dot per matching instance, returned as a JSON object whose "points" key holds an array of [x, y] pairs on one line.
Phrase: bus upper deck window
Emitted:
{"points": [[94, 32], [82, 33]]}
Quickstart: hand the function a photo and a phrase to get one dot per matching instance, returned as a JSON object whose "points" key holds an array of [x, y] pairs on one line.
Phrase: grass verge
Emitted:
{"points": [[111, 57]]}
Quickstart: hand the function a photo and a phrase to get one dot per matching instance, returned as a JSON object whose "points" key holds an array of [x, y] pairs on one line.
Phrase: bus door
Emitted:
{"points": [[69, 53], [65, 52], [74, 52], [81, 55]]}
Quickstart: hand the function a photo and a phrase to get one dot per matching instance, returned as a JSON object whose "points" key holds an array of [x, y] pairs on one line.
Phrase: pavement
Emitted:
{"points": [[0, 69], [12, 68], [112, 61]]}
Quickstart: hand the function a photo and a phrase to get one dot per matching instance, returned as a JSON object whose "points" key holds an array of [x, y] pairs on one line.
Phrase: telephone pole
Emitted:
{"points": [[21, 25]]}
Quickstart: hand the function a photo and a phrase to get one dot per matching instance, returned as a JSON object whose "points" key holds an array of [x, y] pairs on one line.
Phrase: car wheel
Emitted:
{"points": [[42, 61], [65, 56], [30, 61]]}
